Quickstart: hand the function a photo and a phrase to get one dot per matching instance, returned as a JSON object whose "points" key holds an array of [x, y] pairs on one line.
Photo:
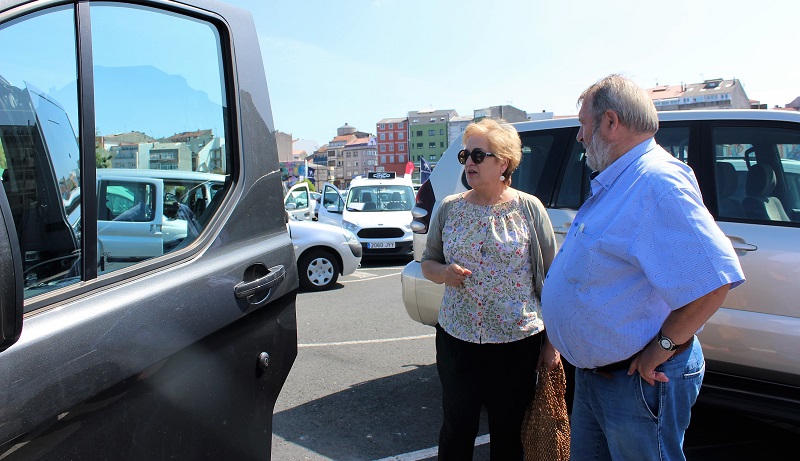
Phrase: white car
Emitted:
{"points": [[747, 163], [377, 209], [323, 253], [300, 202]]}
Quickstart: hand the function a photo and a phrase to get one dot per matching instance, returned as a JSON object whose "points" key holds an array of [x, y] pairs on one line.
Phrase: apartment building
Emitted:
{"points": [[710, 94], [427, 134], [392, 142]]}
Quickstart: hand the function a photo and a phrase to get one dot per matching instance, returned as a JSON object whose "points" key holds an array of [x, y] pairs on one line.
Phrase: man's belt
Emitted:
{"points": [[606, 370]]}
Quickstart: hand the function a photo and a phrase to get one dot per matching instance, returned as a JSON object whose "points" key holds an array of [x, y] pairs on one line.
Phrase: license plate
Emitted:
{"points": [[375, 245]]}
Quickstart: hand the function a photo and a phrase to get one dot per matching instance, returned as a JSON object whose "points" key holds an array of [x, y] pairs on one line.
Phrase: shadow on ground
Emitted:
{"points": [[372, 420]]}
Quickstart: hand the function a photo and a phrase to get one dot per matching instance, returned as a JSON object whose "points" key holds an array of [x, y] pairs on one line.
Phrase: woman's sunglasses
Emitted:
{"points": [[477, 154]]}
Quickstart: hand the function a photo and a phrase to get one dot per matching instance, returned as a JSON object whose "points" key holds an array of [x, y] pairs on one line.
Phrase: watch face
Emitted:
{"points": [[665, 343]]}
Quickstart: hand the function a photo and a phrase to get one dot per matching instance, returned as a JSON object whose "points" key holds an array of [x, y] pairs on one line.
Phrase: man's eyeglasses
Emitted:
{"points": [[477, 154]]}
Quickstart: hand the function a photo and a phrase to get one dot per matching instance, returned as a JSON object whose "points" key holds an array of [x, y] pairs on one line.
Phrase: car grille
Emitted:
{"points": [[381, 233]]}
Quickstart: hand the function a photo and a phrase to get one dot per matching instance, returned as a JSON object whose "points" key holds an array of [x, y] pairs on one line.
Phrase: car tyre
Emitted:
{"points": [[318, 270]]}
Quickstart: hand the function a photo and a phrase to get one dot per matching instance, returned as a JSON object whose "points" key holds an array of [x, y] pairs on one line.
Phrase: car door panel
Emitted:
{"points": [[161, 359]]}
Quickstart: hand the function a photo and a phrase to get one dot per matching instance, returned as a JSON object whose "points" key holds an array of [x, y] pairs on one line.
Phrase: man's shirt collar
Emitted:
{"points": [[606, 178]]}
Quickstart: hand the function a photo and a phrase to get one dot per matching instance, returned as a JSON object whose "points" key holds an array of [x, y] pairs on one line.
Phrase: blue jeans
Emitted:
{"points": [[624, 418]]}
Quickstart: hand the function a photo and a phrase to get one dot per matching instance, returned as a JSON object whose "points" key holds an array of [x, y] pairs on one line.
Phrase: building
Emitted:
{"points": [[284, 141], [456, 128], [360, 157], [794, 105], [508, 113], [543, 115], [427, 134], [319, 162], [392, 141], [170, 156], [196, 141], [211, 158], [710, 94]]}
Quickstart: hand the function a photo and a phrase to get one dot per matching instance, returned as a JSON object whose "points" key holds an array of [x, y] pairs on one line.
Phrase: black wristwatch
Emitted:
{"points": [[666, 343]]}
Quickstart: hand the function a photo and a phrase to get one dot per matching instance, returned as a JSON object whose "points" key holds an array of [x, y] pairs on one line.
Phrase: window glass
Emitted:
{"points": [[675, 140], [39, 155], [381, 198], [160, 111], [537, 148], [575, 186], [757, 173]]}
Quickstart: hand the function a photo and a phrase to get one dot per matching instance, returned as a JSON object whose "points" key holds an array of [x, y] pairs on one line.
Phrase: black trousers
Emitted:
{"points": [[501, 377]]}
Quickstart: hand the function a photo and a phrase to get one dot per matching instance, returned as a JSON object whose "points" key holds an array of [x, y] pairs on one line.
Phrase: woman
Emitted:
{"points": [[491, 246]]}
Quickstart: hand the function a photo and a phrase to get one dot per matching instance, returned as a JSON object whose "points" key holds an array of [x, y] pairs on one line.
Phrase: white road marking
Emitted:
{"points": [[429, 452], [370, 278], [366, 341]]}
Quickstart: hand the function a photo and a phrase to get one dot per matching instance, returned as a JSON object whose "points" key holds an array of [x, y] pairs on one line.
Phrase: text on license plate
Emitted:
{"points": [[380, 245]]}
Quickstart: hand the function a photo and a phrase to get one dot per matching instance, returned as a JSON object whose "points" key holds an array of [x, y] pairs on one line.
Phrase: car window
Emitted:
{"points": [[160, 119], [542, 155], [381, 198], [675, 140], [757, 173], [299, 197], [38, 146]]}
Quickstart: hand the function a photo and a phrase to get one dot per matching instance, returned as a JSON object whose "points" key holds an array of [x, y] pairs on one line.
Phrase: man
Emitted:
{"points": [[641, 270]]}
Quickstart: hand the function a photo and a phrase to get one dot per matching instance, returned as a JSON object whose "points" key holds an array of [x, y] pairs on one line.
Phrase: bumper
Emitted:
{"points": [[421, 297]]}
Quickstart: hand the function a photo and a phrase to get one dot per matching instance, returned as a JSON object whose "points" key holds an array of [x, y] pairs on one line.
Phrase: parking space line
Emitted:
{"points": [[366, 341], [370, 278], [426, 453]]}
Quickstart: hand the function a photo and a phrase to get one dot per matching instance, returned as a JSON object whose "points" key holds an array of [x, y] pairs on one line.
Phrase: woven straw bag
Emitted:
{"points": [[545, 429]]}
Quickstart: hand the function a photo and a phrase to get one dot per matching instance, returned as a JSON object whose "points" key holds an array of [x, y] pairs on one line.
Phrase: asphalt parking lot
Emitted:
{"points": [[364, 387]]}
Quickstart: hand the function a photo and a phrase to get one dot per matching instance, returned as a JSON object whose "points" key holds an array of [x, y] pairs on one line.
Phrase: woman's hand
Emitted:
{"points": [[548, 356], [455, 274]]}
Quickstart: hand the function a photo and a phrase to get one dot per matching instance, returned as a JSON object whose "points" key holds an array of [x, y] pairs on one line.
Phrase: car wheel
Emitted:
{"points": [[318, 270]]}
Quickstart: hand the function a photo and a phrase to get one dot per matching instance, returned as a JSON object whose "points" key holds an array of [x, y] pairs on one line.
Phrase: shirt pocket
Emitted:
{"points": [[579, 259]]}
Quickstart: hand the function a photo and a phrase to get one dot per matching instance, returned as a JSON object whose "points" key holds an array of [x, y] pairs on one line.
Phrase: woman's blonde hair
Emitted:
{"points": [[503, 140]]}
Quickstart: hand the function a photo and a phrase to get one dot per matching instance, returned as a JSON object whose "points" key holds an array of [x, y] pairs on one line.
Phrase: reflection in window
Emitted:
{"points": [[160, 110], [40, 161]]}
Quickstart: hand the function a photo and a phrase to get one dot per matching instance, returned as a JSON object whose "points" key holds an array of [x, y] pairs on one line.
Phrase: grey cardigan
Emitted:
{"points": [[543, 240]]}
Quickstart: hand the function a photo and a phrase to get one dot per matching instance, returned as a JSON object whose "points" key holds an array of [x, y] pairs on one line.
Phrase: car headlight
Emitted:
{"points": [[349, 226], [349, 237]]}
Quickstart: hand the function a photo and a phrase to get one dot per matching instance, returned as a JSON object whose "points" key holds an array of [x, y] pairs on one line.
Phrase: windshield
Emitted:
{"points": [[380, 198]]}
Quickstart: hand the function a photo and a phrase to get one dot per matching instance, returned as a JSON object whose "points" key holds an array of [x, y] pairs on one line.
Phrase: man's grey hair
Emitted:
{"points": [[633, 106]]}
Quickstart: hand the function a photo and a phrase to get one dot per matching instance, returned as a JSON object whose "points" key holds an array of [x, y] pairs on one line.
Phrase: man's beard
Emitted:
{"points": [[598, 153]]}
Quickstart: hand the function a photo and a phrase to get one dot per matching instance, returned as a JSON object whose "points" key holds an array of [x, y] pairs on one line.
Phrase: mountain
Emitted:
{"points": [[148, 100]]}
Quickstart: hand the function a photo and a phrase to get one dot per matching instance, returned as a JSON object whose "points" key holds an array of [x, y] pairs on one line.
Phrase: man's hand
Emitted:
{"points": [[646, 362]]}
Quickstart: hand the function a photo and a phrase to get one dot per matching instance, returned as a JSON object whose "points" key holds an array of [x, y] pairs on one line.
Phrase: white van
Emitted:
{"points": [[138, 214], [377, 209]]}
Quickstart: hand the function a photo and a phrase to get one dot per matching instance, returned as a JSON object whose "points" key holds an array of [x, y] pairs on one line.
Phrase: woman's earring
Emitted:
{"points": [[502, 178]]}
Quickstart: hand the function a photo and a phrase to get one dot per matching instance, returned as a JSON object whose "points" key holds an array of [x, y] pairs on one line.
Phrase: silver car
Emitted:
{"points": [[748, 167]]}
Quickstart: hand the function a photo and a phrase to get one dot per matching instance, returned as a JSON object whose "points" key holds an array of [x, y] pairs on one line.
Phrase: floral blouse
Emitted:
{"points": [[497, 303]]}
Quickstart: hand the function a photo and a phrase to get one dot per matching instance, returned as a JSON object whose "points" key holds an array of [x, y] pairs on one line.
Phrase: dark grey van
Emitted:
{"points": [[178, 352]]}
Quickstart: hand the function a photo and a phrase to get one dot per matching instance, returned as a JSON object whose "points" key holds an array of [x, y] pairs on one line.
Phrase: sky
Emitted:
{"points": [[359, 61]]}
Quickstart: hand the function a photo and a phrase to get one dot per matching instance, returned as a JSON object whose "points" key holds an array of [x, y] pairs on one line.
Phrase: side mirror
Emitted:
{"points": [[11, 278], [290, 206]]}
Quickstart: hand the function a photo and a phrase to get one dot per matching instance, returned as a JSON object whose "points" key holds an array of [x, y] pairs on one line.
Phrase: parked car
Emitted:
{"points": [[748, 167], [177, 354], [377, 209], [323, 253], [300, 202], [316, 198]]}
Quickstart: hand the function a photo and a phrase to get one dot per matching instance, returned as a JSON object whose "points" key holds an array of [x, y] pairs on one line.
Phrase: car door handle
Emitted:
{"points": [[741, 246], [275, 276]]}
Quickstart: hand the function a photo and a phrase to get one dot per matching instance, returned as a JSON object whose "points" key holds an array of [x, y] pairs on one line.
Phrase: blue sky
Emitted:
{"points": [[358, 61]]}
